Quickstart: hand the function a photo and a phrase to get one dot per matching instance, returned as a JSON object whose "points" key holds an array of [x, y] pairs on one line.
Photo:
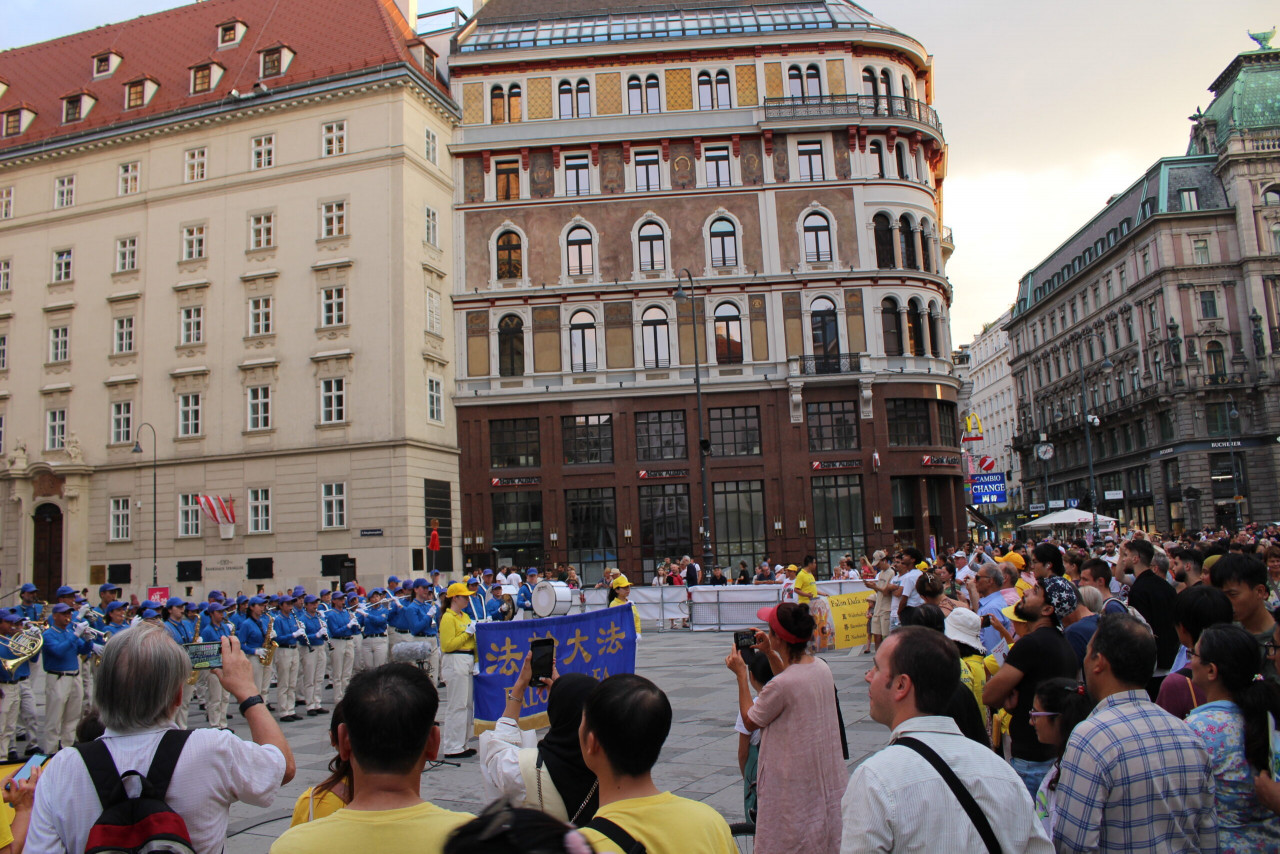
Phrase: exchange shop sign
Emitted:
{"points": [[989, 488]]}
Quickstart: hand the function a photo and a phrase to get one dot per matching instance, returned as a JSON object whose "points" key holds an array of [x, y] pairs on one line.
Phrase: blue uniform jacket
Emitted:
{"points": [[62, 650], [212, 634], [97, 617], [252, 634], [23, 670], [339, 623], [524, 597], [492, 607], [181, 631], [114, 628], [312, 625], [33, 611], [286, 625], [375, 621], [421, 619]]}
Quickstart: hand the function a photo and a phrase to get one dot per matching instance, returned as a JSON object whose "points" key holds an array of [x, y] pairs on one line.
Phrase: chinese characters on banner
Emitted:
{"points": [[599, 643], [849, 618]]}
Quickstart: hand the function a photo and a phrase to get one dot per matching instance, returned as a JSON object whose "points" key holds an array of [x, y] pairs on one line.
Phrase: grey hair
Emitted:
{"points": [[1091, 597], [1160, 563], [141, 674]]}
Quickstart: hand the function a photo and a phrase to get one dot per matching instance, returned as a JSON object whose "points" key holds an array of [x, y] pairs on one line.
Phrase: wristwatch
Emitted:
{"points": [[250, 702]]}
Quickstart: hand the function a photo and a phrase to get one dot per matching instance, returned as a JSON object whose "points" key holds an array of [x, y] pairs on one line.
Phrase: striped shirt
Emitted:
{"points": [[1135, 779]]}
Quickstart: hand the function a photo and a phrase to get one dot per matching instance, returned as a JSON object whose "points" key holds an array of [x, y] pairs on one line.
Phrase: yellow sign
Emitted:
{"points": [[849, 618], [973, 424]]}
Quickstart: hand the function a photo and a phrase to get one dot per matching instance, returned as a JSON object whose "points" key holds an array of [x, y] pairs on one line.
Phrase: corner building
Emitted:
{"points": [[752, 187], [221, 222]]}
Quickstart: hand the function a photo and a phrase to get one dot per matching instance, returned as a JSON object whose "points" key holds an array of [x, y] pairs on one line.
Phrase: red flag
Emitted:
{"points": [[434, 542]]}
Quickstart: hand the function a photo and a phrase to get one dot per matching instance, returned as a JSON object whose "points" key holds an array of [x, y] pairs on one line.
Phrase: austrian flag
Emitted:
{"points": [[221, 510]]}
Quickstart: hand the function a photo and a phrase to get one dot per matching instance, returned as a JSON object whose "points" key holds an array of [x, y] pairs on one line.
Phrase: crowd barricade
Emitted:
{"points": [[653, 604]]}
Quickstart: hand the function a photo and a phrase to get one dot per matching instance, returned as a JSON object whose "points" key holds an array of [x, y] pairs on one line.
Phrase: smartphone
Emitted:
{"points": [[744, 639], [204, 656], [544, 659], [36, 761], [986, 621]]}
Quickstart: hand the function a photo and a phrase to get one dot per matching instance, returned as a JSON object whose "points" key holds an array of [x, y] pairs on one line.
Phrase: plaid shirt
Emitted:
{"points": [[1135, 778]]}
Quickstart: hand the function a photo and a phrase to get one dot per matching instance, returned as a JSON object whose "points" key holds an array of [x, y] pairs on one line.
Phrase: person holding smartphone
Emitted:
{"points": [[19, 793]]}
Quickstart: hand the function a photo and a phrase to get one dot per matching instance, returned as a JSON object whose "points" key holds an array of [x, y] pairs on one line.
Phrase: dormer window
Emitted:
{"points": [[201, 78], [227, 34], [230, 32], [105, 64], [12, 123], [72, 108], [134, 95], [271, 63]]}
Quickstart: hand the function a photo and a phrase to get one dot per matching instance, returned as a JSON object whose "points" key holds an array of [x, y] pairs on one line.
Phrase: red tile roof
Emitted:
{"points": [[328, 37]]}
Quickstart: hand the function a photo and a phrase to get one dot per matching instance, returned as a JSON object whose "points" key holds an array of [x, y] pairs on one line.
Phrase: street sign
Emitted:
{"points": [[987, 463], [1113, 495], [1036, 508], [989, 488], [1057, 504], [1073, 502]]}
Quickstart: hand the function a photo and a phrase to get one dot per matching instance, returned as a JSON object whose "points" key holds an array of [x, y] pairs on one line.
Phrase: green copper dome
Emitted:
{"points": [[1247, 94]]}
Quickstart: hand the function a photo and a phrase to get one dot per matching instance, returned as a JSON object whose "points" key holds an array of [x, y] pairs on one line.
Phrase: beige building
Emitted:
{"points": [[239, 242]]}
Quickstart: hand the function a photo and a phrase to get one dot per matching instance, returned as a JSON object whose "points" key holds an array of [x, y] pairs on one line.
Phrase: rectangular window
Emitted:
{"points": [[260, 511], [333, 400], [661, 436], [259, 400], [587, 439], [517, 525], [4, 352], [435, 399], [121, 422], [262, 231], [432, 146], [196, 161], [12, 123], [1200, 249], [120, 518], [62, 269], [272, 62], [435, 322], [1189, 199], [6, 268], [738, 516], [947, 424], [6, 202], [1208, 304], [647, 179], [134, 95], [665, 528], [59, 344], [333, 219], [72, 108], [1217, 420], [333, 505], [130, 178], [735, 431], [201, 79], [64, 191], [333, 306], [577, 175], [122, 339], [908, 422], [333, 139], [432, 233], [592, 520], [507, 177], [189, 406], [192, 331], [260, 316], [717, 162], [193, 242], [1168, 427], [514, 443], [55, 429], [262, 152], [837, 518], [832, 426], [809, 157], [189, 515]]}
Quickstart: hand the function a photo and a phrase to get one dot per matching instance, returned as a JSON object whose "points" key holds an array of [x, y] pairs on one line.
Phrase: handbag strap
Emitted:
{"points": [[617, 836], [966, 800]]}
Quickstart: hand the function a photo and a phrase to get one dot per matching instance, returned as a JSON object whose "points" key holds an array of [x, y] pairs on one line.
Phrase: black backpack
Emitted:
{"points": [[142, 824]]}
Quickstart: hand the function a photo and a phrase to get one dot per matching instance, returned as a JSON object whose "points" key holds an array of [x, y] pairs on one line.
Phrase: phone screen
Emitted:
{"points": [[204, 655], [544, 657], [36, 760]]}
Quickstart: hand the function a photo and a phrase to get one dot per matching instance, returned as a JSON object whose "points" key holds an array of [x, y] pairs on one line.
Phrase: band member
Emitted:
{"points": [[475, 600], [116, 623], [343, 626], [215, 696], [439, 588], [182, 631], [241, 612], [313, 654], [31, 609], [252, 633], [289, 633], [458, 642], [10, 624], [107, 593], [375, 628], [60, 658], [524, 596], [424, 624]]}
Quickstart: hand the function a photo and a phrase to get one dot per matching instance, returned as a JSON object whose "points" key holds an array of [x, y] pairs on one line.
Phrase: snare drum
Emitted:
{"points": [[552, 599]]}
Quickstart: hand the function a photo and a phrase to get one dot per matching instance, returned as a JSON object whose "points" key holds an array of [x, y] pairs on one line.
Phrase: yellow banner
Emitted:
{"points": [[849, 618]]}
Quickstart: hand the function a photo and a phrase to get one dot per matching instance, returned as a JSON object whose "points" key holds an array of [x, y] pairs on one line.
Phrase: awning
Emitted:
{"points": [[981, 519]]}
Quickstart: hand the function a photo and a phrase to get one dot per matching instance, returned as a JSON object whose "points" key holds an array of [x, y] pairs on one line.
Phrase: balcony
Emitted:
{"points": [[836, 363], [850, 107]]}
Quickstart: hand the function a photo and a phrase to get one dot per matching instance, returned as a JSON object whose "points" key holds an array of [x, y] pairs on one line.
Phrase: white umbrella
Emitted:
{"points": [[1070, 517]]}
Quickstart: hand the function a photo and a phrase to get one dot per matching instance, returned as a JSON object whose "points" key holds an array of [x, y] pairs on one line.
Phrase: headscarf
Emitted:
{"points": [[559, 747]]}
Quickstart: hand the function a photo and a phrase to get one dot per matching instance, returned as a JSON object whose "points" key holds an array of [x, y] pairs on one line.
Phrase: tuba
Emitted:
{"points": [[268, 650], [25, 645]]}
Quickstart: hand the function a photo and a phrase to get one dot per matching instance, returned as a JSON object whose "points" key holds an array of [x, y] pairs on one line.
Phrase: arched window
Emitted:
{"points": [[884, 241], [826, 336], [870, 85], [723, 100], [935, 338], [582, 342], [654, 338], [1216, 358], [817, 238], [900, 155], [795, 82], [653, 254], [652, 95], [877, 153], [635, 96], [724, 244], [891, 327], [1275, 239], [510, 256], [812, 82], [915, 328], [906, 87], [926, 247], [886, 84], [578, 246], [1271, 196], [907, 237], [513, 103], [566, 99], [497, 105], [705, 101], [584, 99], [511, 346], [728, 334]]}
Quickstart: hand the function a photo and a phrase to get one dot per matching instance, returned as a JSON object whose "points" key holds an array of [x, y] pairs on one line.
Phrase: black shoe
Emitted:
{"points": [[297, 703], [322, 711], [291, 718], [32, 750], [202, 708], [270, 707], [443, 683], [311, 713], [22, 736], [466, 754], [14, 758]]}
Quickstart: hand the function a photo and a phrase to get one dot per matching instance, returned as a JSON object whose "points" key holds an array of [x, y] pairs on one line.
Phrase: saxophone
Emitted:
{"points": [[268, 650]]}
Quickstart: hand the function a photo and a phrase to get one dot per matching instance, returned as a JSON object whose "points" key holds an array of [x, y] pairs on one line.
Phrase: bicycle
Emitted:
{"points": [[744, 835]]}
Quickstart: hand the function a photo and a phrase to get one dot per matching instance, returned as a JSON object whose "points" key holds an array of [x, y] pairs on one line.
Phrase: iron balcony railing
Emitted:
{"points": [[851, 106], [836, 363]]}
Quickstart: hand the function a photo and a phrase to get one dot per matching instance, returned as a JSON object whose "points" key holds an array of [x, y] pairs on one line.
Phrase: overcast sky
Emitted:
{"points": [[1048, 108]]}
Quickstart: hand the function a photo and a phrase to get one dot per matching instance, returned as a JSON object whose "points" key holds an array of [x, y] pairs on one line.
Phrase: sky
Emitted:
{"points": [[1048, 109]]}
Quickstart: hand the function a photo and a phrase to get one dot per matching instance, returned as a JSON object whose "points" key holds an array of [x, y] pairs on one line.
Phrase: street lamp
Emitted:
{"points": [[704, 446], [1089, 421], [1233, 416], [137, 449]]}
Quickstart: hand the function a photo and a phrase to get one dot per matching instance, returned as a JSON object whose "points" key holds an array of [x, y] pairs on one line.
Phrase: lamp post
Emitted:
{"points": [[704, 446], [1089, 421], [1233, 415], [137, 449]]}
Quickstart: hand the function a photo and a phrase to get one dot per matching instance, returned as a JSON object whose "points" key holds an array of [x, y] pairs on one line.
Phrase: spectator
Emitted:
{"points": [[625, 721], [1273, 576], [1046, 560], [1235, 728], [333, 792], [799, 779], [933, 587], [991, 603], [1152, 597], [886, 593], [387, 736], [717, 578], [1072, 560], [1267, 789], [895, 800], [1190, 564], [964, 628], [504, 829], [927, 615], [1096, 573], [19, 799], [744, 576], [1133, 777], [137, 690], [1011, 582], [1080, 625], [909, 571], [1060, 705], [1244, 579], [759, 673], [1196, 609]]}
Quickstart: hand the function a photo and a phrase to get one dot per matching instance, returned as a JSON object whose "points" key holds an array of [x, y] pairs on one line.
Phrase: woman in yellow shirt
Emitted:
{"points": [[458, 643], [622, 590], [335, 791]]}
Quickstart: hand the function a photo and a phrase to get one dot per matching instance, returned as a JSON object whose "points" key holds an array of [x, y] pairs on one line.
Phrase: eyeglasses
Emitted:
{"points": [[1043, 714], [1270, 647], [1192, 654]]}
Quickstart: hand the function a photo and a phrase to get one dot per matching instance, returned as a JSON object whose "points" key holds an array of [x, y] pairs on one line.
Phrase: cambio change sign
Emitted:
{"points": [[989, 488]]}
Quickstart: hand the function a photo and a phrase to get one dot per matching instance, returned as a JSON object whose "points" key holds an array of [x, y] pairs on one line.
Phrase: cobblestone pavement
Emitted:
{"points": [[698, 761]]}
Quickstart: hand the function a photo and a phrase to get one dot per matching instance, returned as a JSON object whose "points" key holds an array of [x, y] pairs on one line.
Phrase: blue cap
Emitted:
{"points": [[420, 582], [472, 580], [214, 606], [28, 588], [107, 588], [174, 602], [257, 600], [325, 592], [288, 597], [199, 606], [338, 594], [80, 600], [299, 591], [531, 571], [64, 590], [311, 599], [393, 580], [241, 599], [114, 606], [61, 608], [150, 614], [435, 572], [349, 586], [216, 594], [10, 615], [487, 572], [155, 606]]}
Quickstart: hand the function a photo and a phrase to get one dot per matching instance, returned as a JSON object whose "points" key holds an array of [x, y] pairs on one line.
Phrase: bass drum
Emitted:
{"points": [[552, 599]]}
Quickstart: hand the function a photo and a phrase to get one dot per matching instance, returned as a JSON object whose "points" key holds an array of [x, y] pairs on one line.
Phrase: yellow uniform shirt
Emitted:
{"points": [[453, 632], [663, 822], [7, 815], [309, 809], [422, 828], [806, 587], [634, 612]]}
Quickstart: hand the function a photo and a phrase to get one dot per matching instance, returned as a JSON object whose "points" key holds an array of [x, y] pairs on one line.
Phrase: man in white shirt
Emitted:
{"points": [[908, 574], [963, 571], [896, 800], [137, 690]]}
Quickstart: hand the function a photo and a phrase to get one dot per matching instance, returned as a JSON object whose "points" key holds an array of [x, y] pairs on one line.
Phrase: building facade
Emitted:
{"points": [[744, 196], [994, 400], [243, 243], [1154, 332]]}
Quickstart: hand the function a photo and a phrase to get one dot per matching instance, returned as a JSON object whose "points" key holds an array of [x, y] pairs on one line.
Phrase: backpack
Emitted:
{"points": [[1133, 612], [142, 824]]}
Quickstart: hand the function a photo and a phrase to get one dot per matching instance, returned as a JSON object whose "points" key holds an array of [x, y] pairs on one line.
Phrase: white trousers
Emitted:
{"points": [[312, 669], [286, 662], [375, 652], [357, 653], [86, 683], [457, 702], [261, 676], [434, 672], [27, 714], [9, 708], [62, 699], [341, 665], [180, 719], [215, 700]]}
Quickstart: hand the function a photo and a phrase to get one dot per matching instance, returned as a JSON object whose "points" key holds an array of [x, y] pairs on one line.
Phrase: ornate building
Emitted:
{"points": [[1154, 331], [994, 400], [745, 194]]}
